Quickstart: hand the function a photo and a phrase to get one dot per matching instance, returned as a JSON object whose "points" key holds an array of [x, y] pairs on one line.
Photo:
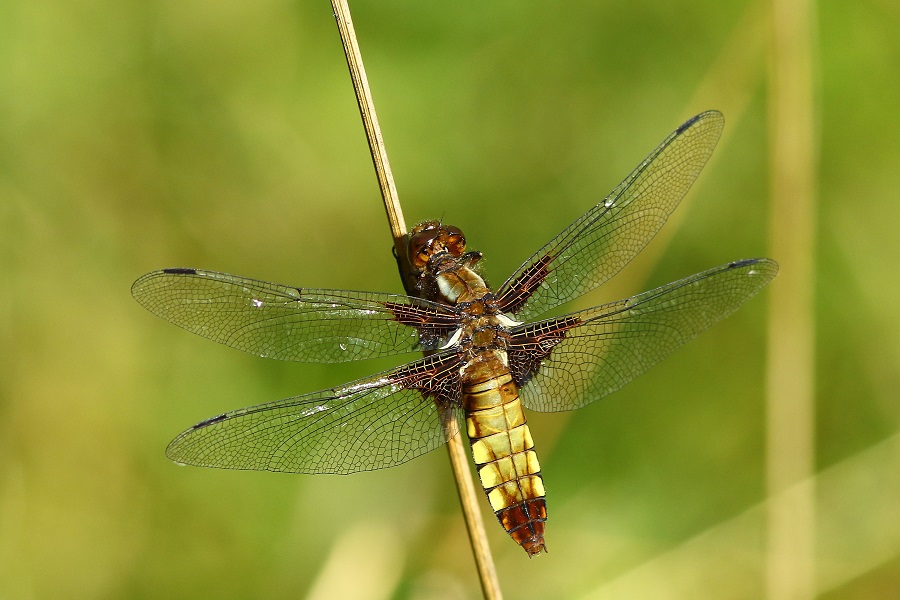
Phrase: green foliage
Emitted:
{"points": [[224, 135]]}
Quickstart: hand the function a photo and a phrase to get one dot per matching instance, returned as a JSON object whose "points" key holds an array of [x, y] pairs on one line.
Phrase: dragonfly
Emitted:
{"points": [[487, 354]]}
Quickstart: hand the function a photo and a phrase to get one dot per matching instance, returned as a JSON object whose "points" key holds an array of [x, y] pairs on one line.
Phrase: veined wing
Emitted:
{"points": [[372, 423], [603, 240], [289, 323], [568, 362]]}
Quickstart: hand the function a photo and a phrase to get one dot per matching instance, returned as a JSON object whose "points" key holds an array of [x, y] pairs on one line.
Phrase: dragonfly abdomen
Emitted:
{"points": [[504, 455]]}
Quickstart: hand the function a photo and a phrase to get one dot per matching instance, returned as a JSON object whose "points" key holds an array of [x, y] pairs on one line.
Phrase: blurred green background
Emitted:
{"points": [[225, 135]]}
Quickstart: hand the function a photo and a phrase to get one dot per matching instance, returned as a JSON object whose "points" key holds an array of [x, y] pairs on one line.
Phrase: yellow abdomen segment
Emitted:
{"points": [[505, 458]]}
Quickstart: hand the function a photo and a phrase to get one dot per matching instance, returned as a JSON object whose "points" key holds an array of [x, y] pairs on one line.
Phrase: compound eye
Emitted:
{"points": [[421, 258], [456, 241], [420, 247]]}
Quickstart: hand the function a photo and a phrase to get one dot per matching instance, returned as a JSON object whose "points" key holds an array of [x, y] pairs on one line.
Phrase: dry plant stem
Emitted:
{"points": [[487, 573], [790, 571], [468, 498], [370, 122]]}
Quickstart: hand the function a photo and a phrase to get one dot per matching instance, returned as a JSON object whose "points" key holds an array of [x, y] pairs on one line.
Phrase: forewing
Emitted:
{"points": [[289, 323], [372, 423], [603, 240], [568, 362]]}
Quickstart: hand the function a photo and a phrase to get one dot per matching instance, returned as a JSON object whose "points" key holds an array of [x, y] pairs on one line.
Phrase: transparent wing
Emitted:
{"points": [[289, 323], [603, 240], [372, 423], [568, 362]]}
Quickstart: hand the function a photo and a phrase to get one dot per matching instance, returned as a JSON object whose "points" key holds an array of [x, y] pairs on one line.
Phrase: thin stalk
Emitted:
{"points": [[370, 123], [791, 364], [487, 573]]}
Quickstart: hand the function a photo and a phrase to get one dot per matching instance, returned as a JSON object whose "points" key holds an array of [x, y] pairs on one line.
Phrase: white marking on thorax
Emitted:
{"points": [[461, 282], [504, 357], [454, 339], [448, 290], [506, 321]]}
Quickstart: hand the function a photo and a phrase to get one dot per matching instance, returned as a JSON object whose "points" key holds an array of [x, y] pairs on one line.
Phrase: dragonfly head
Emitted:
{"points": [[432, 238]]}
